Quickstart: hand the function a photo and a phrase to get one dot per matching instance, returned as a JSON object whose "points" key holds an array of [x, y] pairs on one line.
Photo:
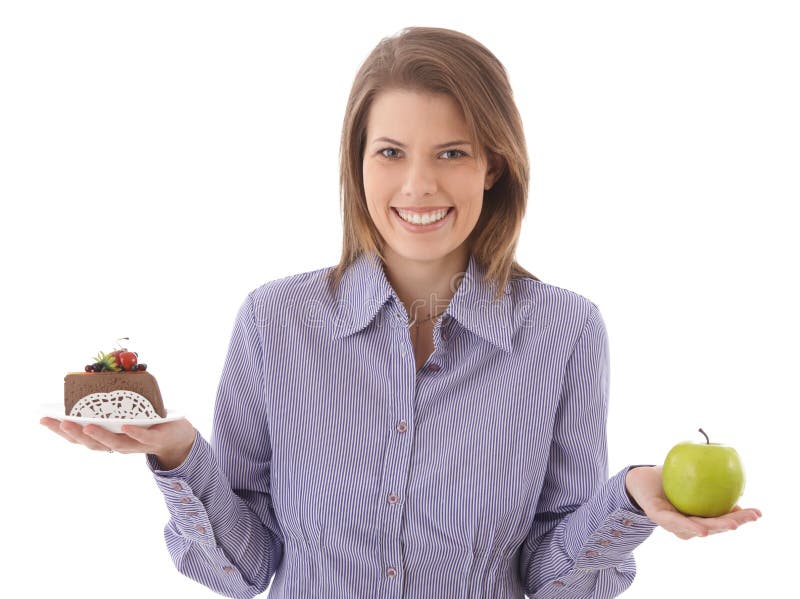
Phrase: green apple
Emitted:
{"points": [[702, 479]]}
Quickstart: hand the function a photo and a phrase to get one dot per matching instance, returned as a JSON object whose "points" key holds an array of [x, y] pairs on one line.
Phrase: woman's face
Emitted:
{"points": [[421, 171]]}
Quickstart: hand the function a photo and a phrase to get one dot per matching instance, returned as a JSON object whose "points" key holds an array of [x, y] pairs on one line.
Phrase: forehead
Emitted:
{"points": [[397, 112]]}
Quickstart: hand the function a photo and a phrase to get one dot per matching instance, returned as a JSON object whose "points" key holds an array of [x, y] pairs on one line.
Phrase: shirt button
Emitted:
{"points": [[616, 533], [186, 500], [229, 569], [434, 367], [392, 498], [402, 426], [627, 522], [391, 572], [201, 529], [592, 553], [558, 583], [192, 514], [605, 542], [177, 486]]}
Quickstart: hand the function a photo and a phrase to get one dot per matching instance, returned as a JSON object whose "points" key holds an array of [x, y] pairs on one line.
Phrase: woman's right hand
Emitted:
{"points": [[170, 442]]}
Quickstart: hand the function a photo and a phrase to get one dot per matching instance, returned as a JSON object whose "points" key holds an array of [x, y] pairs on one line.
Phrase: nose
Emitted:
{"points": [[420, 180]]}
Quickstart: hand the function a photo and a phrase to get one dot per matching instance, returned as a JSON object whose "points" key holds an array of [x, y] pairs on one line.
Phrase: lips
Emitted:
{"points": [[421, 210], [424, 228]]}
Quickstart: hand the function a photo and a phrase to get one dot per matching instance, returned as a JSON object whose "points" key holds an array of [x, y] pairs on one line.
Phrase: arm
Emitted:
{"points": [[222, 530], [586, 526]]}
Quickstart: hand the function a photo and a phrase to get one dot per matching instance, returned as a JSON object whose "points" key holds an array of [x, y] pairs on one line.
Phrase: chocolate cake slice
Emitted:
{"points": [[125, 394]]}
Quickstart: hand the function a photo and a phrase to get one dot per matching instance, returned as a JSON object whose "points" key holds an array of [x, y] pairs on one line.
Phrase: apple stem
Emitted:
{"points": [[705, 435]]}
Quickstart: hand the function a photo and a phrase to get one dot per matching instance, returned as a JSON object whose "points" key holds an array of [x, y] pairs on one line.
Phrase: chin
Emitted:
{"points": [[422, 252]]}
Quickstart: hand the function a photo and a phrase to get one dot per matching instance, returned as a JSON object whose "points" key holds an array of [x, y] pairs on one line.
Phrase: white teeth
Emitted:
{"points": [[425, 219]]}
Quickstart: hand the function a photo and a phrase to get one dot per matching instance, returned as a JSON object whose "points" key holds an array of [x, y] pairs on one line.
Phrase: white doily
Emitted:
{"points": [[119, 403]]}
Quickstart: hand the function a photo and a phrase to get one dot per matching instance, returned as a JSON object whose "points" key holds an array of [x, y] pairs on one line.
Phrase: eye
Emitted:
{"points": [[381, 152], [459, 151]]}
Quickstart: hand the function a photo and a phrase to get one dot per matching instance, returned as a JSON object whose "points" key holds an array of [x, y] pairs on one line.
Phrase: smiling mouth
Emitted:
{"points": [[447, 212]]}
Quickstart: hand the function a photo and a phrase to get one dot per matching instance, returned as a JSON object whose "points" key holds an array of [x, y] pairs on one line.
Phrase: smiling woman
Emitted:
{"points": [[431, 124], [350, 457], [423, 202]]}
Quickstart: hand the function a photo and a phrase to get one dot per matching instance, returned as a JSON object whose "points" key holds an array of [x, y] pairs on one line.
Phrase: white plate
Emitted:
{"points": [[55, 410]]}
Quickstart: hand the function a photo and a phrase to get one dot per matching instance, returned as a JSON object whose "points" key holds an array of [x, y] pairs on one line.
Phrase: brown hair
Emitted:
{"points": [[441, 61]]}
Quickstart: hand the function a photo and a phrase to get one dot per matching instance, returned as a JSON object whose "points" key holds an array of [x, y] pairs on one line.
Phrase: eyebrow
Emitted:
{"points": [[457, 142]]}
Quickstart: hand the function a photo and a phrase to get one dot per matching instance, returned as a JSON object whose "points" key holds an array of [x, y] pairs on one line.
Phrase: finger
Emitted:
{"points": [[755, 511], [119, 442], [680, 525], [75, 430], [730, 521], [143, 436], [717, 525], [55, 426]]}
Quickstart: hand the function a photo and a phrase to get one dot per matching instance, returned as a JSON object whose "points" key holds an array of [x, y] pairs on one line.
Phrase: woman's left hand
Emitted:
{"points": [[644, 485]]}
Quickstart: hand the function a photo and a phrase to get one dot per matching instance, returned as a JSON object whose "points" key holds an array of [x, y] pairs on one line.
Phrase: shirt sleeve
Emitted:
{"points": [[222, 530], [586, 525]]}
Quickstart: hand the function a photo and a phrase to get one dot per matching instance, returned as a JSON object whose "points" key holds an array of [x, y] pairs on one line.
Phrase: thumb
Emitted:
{"points": [[137, 433]]}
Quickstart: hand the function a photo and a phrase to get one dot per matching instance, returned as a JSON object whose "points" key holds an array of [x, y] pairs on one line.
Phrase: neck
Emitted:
{"points": [[426, 286]]}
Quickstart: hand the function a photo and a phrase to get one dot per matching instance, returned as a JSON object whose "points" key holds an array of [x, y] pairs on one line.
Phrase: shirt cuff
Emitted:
{"points": [[624, 529], [197, 495]]}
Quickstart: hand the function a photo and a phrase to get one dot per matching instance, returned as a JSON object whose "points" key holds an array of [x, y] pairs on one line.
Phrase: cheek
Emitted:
{"points": [[379, 192], [377, 209], [469, 212], [370, 192]]}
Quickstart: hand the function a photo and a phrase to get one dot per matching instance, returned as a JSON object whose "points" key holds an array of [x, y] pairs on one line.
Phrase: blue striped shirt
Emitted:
{"points": [[335, 468]]}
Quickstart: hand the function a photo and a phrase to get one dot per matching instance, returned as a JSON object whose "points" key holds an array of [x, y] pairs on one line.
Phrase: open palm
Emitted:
{"points": [[644, 485]]}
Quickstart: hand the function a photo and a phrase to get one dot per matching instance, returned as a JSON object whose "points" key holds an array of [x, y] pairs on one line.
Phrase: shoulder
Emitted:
{"points": [[544, 305], [304, 292]]}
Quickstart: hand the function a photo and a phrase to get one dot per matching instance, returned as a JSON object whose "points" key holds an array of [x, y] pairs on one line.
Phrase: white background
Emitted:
{"points": [[158, 160]]}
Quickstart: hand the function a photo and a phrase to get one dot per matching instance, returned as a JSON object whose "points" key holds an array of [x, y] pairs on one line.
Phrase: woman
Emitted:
{"points": [[426, 418]]}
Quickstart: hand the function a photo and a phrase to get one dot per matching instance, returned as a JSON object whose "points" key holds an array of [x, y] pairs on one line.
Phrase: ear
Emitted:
{"points": [[493, 172]]}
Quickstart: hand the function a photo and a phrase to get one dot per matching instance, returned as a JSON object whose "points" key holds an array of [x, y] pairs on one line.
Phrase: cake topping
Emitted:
{"points": [[118, 360]]}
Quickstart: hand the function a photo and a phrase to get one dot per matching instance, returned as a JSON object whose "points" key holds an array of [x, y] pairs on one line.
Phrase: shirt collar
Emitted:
{"points": [[364, 289]]}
